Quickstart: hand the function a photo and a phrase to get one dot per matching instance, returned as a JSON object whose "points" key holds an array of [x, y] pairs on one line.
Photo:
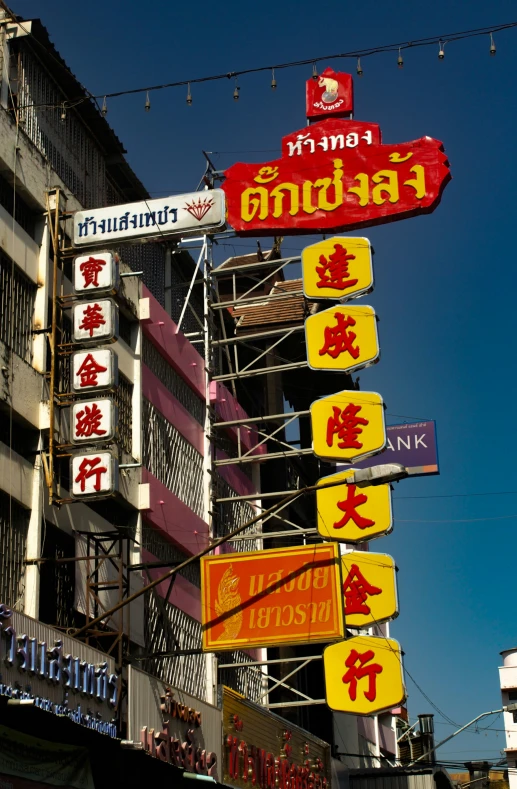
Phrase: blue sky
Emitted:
{"points": [[445, 283]]}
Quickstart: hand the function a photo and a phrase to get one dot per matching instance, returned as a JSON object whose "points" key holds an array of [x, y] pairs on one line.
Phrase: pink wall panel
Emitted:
{"points": [[184, 595], [161, 330], [172, 410], [174, 518]]}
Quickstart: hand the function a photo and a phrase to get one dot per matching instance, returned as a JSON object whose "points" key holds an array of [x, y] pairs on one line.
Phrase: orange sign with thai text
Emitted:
{"points": [[271, 598]]}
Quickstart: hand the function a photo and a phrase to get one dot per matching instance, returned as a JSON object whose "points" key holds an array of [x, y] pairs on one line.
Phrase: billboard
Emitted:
{"points": [[271, 598], [414, 445]]}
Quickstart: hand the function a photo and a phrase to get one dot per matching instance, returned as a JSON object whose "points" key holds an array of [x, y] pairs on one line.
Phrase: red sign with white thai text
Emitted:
{"points": [[334, 176], [330, 94]]}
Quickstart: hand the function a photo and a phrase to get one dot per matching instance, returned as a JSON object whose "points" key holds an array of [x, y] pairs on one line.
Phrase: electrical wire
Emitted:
{"points": [[352, 54]]}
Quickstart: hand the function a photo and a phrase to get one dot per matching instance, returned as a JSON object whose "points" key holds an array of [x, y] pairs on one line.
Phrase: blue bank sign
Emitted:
{"points": [[414, 445]]}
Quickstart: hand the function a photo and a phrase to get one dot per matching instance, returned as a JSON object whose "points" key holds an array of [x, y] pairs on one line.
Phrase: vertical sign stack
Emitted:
{"points": [[94, 373], [363, 674]]}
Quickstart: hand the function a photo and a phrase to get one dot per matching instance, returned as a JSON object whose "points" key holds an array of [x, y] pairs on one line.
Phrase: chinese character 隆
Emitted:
{"points": [[345, 423]]}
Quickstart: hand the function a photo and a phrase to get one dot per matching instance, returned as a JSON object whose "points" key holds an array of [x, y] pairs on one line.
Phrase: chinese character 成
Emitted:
{"points": [[333, 273], [89, 467], [90, 270], [338, 340], [346, 424], [360, 671], [357, 590], [349, 508], [92, 318], [89, 370], [89, 422]]}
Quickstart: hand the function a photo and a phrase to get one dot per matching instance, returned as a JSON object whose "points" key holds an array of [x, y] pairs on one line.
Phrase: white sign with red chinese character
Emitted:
{"points": [[94, 369], [95, 320], [93, 474], [93, 420], [95, 272]]}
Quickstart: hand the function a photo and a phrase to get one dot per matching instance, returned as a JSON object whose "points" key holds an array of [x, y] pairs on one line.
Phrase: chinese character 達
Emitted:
{"points": [[333, 273]]}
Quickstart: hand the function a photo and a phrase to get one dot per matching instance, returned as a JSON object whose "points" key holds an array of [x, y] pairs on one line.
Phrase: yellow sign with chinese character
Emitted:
{"points": [[363, 675], [348, 426], [350, 514], [337, 268], [369, 588], [342, 339]]}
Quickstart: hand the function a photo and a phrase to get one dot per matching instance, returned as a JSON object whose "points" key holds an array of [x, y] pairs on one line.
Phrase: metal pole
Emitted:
{"points": [[282, 503], [442, 742], [54, 233]]}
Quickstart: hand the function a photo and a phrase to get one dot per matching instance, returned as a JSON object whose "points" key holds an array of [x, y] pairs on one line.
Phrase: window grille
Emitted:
{"points": [[17, 295], [180, 279], [172, 380], [22, 213], [228, 515], [159, 546], [70, 150], [14, 523], [123, 397], [171, 459], [149, 258], [168, 629]]}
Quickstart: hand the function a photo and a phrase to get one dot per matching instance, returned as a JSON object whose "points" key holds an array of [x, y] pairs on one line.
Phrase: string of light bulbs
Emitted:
{"points": [[440, 41]]}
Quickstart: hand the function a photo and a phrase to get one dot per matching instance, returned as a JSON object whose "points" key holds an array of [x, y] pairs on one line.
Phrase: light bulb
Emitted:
{"points": [[104, 108], [189, 95], [359, 69], [314, 72], [441, 51], [62, 117], [236, 92], [400, 61], [147, 105], [273, 81], [492, 45]]}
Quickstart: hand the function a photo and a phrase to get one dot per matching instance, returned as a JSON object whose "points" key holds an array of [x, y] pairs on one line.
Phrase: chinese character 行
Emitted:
{"points": [[92, 318], [89, 422], [345, 423], [357, 672], [333, 273], [89, 370], [90, 468], [349, 507], [338, 340], [357, 590], [90, 270]]}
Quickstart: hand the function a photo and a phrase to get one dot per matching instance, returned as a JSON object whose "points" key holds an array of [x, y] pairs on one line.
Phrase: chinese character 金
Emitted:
{"points": [[338, 340], [345, 423], [357, 672], [92, 318], [349, 508], [89, 467], [333, 273], [89, 422], [89, 370], [90, 270], [357, 590]]}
